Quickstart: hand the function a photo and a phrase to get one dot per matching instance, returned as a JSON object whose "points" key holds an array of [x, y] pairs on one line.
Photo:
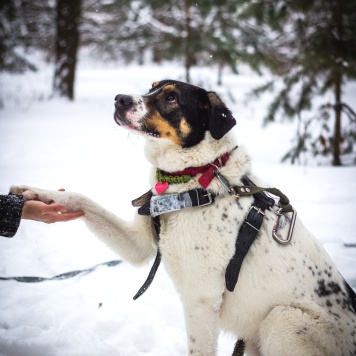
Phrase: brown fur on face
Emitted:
{"points": [[157, 124]]}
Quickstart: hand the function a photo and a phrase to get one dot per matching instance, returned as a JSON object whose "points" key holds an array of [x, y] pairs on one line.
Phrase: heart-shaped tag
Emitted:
{"points": [[161, 187]]}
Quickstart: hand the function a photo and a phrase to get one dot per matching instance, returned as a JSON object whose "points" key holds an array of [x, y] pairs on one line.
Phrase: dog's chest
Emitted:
{"points": [[201, 239]]}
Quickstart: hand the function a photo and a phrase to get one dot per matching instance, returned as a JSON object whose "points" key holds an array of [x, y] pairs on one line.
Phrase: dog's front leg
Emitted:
{"points": [[202, 324], [134, 240]]}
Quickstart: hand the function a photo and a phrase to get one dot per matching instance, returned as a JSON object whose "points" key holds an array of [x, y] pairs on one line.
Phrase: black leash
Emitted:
{"points": [[31, 279]]}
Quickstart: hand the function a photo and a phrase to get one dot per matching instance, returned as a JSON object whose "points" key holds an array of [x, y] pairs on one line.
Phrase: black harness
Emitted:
{"points": [[200, 197], [247, 234]]}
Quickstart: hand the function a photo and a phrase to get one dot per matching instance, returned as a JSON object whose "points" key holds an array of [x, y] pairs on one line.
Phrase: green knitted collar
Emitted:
{"points": [[186, 174], [161, 177]]}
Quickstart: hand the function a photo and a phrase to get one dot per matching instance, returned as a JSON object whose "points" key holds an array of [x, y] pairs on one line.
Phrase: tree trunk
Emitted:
{"points": [[67, 44], [337, 88], [187, 44], [337, 127]]}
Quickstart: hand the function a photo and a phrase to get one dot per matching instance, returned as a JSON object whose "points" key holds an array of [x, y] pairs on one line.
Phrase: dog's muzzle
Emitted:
{"points": [[122, 104], [123, 101]]}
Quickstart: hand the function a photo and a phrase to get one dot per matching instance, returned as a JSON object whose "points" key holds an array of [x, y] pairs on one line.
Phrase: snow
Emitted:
{"points": [[76, 145]]}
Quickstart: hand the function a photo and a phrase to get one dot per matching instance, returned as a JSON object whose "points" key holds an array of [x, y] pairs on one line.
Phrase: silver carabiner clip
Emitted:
{"points": [[224, 182], [290, 232]]}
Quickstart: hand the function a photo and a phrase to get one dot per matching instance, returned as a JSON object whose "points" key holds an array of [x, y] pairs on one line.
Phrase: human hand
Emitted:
{"points": [[38, 211]]}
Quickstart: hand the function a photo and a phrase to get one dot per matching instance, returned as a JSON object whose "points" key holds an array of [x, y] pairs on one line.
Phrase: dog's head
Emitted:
{"points": [[176, 111]]}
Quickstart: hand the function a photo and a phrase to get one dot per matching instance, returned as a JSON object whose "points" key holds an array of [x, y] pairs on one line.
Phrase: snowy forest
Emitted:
{"points": [[309, 47], [286, 70]]}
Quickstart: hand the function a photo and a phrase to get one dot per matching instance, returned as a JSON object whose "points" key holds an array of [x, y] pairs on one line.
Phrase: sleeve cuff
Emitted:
{"points": [[10, 214]]}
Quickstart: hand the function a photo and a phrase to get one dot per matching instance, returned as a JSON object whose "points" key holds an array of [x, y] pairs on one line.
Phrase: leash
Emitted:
{"points": [[31, 279]]}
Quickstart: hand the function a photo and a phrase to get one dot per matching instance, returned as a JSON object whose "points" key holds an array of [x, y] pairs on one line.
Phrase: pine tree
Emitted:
{"points": [[112, 30], [312, 46], [196, 33], [20, 34]]}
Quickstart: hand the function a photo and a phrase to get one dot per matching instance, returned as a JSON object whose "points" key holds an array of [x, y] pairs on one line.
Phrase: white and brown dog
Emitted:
{"points": [[289, 299]]}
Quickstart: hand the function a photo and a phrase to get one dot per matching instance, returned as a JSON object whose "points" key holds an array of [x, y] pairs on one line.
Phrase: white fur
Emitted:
{"points": [[275, 308], [137, 112]]}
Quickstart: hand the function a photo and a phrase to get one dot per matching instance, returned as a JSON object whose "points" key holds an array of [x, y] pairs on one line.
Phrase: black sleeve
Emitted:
{"points": [[10, 214]]}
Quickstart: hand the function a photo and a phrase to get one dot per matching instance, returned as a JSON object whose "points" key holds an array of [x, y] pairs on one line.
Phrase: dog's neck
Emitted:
{"points": [[169, 157]]}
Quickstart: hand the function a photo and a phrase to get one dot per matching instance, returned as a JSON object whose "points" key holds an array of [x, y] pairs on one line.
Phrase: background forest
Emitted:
{"points": [[61, 65], [310, 46]]}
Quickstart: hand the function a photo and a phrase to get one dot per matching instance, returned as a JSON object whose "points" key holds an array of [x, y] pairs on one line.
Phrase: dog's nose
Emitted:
{"points": [[123, 101]]}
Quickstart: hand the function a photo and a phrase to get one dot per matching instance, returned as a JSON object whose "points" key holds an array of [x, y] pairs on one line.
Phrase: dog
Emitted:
{"points": [[288, 298]]}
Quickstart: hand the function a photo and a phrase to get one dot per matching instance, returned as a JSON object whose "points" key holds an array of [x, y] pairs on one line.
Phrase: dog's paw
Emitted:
{"points": [[19, 189], [73, 201], [31, 193]]}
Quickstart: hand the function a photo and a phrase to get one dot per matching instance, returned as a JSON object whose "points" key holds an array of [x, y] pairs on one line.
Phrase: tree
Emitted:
{"points": [[67, 45], [204, 33], [19, 34], [112, 30], [312, 46]]}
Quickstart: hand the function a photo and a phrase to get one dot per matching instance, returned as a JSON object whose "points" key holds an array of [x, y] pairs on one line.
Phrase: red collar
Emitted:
{"points": [[208, 171]]}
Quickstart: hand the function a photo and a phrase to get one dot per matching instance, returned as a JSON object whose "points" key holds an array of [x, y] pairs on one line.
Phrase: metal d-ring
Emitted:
{"points": [[290, 232]]}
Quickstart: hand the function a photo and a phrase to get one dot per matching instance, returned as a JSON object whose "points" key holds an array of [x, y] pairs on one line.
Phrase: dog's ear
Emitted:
{"points": [[221, 119]]}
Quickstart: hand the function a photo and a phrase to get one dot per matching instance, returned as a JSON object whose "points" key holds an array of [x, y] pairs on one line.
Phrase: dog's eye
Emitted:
{"points": [[170, 98]]}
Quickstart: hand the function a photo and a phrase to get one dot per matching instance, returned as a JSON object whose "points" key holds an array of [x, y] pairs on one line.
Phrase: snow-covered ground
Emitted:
{"points": [[77, 145]]}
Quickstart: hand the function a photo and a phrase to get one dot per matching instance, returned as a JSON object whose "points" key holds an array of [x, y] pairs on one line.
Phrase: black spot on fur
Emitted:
{"points": [[328, 273], [302, 331], [351, 295], [311, 269], [328, 303], [325, 290]]}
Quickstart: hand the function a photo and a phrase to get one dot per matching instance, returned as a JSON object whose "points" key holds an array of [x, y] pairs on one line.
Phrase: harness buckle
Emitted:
{"points": [[257, 209], [210, 197]]}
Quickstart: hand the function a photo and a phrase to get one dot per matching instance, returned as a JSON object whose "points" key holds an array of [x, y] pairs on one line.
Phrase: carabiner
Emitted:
{"points": [[290, 232], [224, 182]]}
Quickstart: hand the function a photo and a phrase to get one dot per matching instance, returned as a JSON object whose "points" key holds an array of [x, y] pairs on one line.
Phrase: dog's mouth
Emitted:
{"points": [[122, 121], [143, 129], [147, 131]]}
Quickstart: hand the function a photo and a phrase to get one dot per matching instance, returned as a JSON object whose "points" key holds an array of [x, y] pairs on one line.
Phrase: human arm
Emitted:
{"points": [[13, 208]]}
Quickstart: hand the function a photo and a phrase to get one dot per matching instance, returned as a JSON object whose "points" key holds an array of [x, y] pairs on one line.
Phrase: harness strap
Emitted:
{"points": [[156, 205], [247, 234], [251, 189], [151, 275], [160, 204], [157, 228]]}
